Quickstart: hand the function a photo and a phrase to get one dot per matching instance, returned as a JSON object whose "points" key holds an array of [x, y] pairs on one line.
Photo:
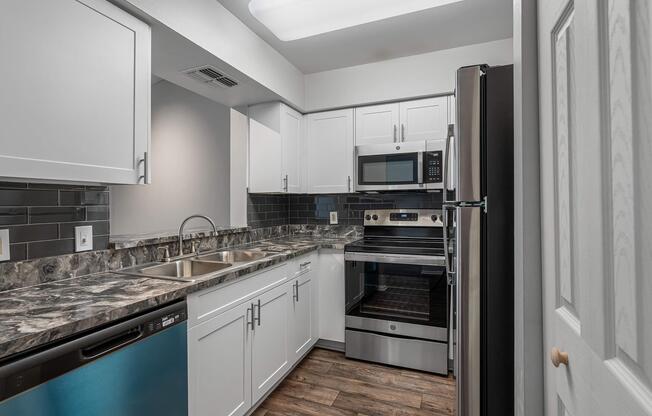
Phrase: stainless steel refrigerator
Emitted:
{"points": [[479, 231]]}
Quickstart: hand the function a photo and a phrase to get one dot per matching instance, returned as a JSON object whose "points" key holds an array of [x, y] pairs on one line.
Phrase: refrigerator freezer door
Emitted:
{"points": [[469, 271], [468, 130]]}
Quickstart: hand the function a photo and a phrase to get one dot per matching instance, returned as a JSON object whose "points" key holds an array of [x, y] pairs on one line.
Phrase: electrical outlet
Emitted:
{"points": [[84, 238], [333, 217], [4, 245]]}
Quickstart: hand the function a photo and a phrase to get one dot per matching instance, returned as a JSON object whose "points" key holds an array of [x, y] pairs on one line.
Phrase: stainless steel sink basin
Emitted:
{"points": [[233, 256], [184, 269]]}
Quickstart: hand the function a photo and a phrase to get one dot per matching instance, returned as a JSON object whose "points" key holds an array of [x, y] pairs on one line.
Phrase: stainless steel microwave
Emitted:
{"points": [[400, 166]]}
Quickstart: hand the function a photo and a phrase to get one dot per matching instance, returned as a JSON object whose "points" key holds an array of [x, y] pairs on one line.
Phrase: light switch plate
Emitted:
{"points": [[4, 245], [84, 238], [333, 217]]}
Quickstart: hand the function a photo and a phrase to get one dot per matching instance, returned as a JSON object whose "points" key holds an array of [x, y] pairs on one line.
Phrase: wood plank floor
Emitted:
{"points": [[327, 384]]}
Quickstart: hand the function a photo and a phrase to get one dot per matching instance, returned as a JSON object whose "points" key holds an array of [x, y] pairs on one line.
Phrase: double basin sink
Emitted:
{"points": [[190, 269]]}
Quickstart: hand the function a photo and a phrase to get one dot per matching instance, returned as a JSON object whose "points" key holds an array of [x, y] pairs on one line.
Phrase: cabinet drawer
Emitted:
{"points": [[216, 300], [302, 264]]}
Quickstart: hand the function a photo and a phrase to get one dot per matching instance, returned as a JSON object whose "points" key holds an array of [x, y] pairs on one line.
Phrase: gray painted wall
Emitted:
{"points": [[190, 166]]}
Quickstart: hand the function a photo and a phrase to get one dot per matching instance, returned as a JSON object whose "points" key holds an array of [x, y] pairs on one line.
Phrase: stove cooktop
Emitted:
{"points": [[393, 245]]}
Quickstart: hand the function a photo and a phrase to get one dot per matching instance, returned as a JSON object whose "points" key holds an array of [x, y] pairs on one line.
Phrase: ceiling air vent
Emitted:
{"points": [[211, 76]]}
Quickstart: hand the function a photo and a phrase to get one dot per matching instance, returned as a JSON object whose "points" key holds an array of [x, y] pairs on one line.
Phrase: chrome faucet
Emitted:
{"points": [[183, 224]]}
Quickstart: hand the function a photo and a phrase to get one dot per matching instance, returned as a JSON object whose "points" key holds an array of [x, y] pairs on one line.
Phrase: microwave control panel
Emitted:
{"points": [[433, 167]]}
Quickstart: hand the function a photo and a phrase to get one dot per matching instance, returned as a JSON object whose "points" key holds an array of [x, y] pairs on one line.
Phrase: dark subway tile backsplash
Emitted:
{"points": [[267, 210], [97, 213], [28, 197], [41, 218], [262, 209], [41, 215], [10, 216], [50, 248], [34, 232], [83, 198]]}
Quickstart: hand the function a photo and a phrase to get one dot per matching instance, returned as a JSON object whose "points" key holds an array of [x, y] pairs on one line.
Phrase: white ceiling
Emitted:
{"points": [[450, 26]]}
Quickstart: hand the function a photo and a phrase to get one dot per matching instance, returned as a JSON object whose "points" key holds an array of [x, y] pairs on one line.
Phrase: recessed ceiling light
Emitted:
{"points": [[298, 19]]}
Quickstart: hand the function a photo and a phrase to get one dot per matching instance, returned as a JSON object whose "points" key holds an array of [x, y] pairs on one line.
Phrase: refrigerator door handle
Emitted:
{"points": [[450, 270], [449, 166]]}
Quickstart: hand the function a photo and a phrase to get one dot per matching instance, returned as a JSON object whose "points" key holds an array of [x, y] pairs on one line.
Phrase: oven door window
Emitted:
{"points": [[397, 292], [400, 169]]}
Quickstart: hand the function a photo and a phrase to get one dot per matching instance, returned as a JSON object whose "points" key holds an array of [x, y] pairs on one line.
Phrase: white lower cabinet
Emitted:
{"points": [[304, 313], [219, 364], [237, 355], [270, 358], [331, 295]]}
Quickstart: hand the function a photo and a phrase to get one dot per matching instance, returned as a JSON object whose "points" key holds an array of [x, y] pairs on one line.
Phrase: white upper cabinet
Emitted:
{"points": [[275, 146], [377, 124], [330, 151], [425, 119], [265, 154], [291, 132], [75, 101]]}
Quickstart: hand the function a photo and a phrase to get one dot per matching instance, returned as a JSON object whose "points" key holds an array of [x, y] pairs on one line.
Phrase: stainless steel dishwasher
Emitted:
{"points": [[136, 367]]}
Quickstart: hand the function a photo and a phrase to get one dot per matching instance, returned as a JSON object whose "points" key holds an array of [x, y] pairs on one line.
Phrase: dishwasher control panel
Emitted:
{"points": [[165, 321]]}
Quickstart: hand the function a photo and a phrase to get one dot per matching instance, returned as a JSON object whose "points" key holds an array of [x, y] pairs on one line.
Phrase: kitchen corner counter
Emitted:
{"points": [[34, 316]]}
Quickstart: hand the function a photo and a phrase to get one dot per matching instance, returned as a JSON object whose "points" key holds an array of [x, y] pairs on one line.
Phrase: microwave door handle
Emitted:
{"points": [[420, 168]]}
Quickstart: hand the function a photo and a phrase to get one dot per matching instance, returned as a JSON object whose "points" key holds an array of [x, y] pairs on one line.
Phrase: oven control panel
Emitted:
{"points": [[404, 218]]}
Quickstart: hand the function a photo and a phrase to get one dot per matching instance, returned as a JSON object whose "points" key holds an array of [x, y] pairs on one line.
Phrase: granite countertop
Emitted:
{"points": [[34, 316], [135, 240]]}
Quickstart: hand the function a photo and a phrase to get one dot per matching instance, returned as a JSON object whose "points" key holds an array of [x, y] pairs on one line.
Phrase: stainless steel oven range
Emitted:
{"points": [[398, 298]]}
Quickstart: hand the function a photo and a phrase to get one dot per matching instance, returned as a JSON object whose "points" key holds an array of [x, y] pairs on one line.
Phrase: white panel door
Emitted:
{"points": [[596, 180], [291, 129], [425, 119], [330, 151], [265, 155], [270, 352], [75, 100], [376, 124], [219, 364], [303, 289]]}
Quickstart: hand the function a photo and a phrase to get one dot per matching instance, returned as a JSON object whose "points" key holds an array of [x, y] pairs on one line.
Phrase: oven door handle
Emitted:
{"points": [[395, 258]]}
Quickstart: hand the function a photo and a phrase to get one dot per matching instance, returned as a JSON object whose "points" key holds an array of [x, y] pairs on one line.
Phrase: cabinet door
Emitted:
{"points": [[331, 295], [376, 124], [424, 119], [75, 82], [330, 150], [219, 364], [291, 137], [265, 155], [303, 320], [270, 352]]}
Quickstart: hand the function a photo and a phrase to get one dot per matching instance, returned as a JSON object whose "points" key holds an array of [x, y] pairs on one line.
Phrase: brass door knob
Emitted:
{"points": [[558, 357]]}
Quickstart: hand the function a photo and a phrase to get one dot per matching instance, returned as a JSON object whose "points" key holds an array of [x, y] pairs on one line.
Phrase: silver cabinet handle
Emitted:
{"points": [[285, 182], [349, 182], [145, 162], [395, 129], [302, 265], [402, 132], [295, 289], [253, 328], [258, 319]]}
